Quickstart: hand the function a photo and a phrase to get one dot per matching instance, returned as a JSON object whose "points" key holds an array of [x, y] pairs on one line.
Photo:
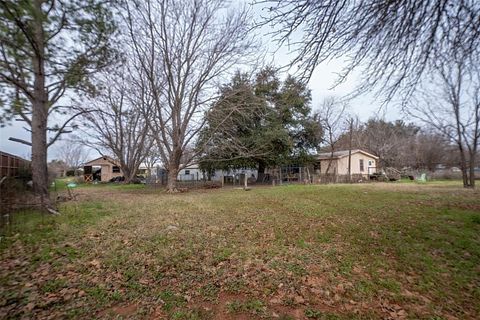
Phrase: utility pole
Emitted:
{"points": [[350, 151]]}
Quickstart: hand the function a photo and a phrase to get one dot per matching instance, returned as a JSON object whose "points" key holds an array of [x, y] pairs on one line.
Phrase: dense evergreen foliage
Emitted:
{"points": [[259, 123]]}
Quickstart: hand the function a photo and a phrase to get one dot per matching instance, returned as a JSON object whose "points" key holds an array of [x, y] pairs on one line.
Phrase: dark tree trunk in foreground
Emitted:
{"points": [[172, 180], [173, 169], [472, 172], [39, 115], [39, 153], [463, 165], [261, 172]]}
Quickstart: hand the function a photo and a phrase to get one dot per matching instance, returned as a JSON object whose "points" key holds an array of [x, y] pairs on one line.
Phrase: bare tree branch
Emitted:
{"points": [[392, 42], [183, 49]]}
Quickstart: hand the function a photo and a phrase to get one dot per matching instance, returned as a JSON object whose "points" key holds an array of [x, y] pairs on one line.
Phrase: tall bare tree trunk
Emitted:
{"points": [[472, 169], [39, 116], [172, 179], [327, 171], [464, 169], [128, 175], [463, 164], [350, 151], [173, 169], [39, 153]]}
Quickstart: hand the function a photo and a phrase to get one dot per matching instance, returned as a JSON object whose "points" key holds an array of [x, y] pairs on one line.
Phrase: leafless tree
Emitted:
{"points": [[183, 49], [431, 149], [390, 141], [115, 123], [451, 105], [332, 116], [391, 41], [72, 154]]}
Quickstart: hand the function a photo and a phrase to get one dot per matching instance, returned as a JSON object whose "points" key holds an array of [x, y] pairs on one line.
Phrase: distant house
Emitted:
{"points": [[101, 169], [363, 163]]}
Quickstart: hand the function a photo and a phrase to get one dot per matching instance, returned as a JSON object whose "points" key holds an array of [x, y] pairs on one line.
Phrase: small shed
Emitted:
{"points": [[102, 169], [363, 163]]}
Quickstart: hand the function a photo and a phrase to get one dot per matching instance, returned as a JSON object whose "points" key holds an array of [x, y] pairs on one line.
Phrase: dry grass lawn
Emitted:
{"points": [[376, 251]]}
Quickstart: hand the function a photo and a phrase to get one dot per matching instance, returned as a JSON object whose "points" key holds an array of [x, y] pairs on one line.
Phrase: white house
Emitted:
{"points": [[190, 173], [193, 172], [234, 175]]}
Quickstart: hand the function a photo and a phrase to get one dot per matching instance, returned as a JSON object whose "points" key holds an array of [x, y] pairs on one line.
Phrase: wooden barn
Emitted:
{"points": [[102, 169]]}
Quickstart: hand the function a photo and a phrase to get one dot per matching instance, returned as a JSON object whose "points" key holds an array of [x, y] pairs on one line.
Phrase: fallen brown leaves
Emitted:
{"points": [[184, 255]]}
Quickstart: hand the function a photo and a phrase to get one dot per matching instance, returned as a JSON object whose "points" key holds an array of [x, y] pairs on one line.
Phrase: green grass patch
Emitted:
{"points": [[54, 285], [252, 306], [171, 300]]}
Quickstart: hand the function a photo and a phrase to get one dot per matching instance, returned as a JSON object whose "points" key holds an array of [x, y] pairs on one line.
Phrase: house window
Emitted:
{"points": [[361, 166], [187, 171], [116, 169], [370, 163]]}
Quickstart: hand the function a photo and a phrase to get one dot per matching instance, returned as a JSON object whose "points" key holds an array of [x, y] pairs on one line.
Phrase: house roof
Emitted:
{"points": [[155, 165], [93, 162], [341, 154], [191, 166]]}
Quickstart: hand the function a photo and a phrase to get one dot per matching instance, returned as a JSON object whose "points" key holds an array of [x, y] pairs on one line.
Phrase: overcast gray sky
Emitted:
{"points": [[323, 78]]}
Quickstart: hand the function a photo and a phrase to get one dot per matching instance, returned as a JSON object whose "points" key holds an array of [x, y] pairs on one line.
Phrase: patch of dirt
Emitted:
{"points": [[295, 313], [120, 310]]}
